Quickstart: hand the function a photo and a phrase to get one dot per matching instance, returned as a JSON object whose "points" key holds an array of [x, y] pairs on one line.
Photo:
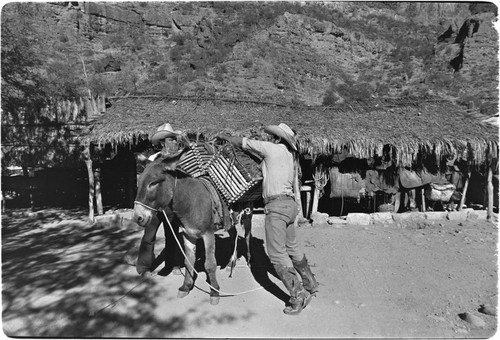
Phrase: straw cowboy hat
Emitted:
{"points": [[284, 132], [164, 131]]}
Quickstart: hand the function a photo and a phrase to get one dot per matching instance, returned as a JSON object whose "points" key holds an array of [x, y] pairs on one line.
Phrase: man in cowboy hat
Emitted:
{"points": [[169, 140], [281, 210]]}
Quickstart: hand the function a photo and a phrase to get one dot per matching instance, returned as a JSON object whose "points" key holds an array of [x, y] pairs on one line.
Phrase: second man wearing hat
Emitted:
{"points": [[169, 140], [281, 209]]}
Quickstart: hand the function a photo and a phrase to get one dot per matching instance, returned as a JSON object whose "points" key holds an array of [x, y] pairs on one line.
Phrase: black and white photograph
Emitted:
{"points": [[249, 169]]}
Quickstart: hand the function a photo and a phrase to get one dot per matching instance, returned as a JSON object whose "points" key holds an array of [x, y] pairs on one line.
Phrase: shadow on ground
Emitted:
{"points": [[59, 272], [260, 265]]}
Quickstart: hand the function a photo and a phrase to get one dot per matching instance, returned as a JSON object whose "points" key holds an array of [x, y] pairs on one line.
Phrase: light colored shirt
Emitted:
{"points": [[277, 166], [154, 156]]}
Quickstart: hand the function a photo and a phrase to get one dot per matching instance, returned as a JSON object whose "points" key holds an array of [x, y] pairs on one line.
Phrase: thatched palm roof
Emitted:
{"points": [[361, 129]]}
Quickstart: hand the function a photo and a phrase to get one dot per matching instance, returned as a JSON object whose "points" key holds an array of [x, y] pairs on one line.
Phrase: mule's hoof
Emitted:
{"points": [[182, 293], [214, 300], [176, 271]]}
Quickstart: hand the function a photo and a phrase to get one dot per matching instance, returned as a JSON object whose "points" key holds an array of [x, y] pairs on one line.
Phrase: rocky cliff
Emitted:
{"points": [[299, 53]]}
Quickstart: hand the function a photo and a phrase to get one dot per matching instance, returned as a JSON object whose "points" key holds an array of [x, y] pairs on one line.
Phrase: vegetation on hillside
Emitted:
{"points": [[288, 52], [120, 58]]}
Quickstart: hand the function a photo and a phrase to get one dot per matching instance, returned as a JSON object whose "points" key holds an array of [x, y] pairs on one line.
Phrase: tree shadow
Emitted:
{"points": [[60, 275]]}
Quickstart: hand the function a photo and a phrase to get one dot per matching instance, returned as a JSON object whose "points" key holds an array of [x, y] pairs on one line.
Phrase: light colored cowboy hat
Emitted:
{"points": [[284, 132], [164, 131]]}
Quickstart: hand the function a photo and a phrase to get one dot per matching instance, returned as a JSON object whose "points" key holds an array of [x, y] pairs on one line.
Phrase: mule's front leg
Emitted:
{"points": [[146, 255], [211, 267], [190, 277]]}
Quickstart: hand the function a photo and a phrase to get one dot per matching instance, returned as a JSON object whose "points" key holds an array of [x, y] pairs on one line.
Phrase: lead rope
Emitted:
{"points": [[187, 260], [113, 303]]}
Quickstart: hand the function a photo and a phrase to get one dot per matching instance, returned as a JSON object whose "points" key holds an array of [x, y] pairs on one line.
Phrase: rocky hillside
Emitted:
{"points": [[292, 52]]}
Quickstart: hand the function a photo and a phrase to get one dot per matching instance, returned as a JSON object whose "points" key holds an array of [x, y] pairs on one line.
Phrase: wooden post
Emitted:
{"points": [[320, 179], [422, 197], [132, 180], [307, 190], [315, 201], [412, 198], [490, 193], [397, 201], [31, 175], [88, 163], [296, 190], [464, 191], [98, 194]]}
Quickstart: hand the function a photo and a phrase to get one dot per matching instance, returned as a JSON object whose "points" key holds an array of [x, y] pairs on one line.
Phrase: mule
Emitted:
{"points": [[188, 205], [163, 187]]}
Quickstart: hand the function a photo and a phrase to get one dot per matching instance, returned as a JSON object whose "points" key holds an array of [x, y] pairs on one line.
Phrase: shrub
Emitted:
{"points": [[355, 91], [330, 97], [98, 84], [219, 72], [179, 39], [248, 63], [160, 73], [176, 54]]}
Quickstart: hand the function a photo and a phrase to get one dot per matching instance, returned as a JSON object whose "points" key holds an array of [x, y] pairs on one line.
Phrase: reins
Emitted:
{"points": [[223, 294], [182, 249], [113, 303]]}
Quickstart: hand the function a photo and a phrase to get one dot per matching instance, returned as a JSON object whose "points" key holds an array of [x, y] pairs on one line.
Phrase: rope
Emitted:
{"points": [[223, 294], [94, 313], [113, 303]]}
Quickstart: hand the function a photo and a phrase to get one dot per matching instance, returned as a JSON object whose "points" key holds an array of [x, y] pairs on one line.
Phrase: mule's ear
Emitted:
{"points": [[169, 166], [171, 161], [141, 158], [172, 167]]}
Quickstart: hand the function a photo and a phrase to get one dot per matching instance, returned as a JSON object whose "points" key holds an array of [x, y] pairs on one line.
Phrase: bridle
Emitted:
{"points": [[170, 204], [147, 206]]}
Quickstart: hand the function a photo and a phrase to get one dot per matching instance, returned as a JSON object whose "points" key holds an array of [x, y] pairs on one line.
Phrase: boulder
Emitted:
{"points": [[336, 220], [457, 215], [436, 215], [409, 217], [472, 319], [477, 214], [447, 52], [358, 218], [488, 310], [382, 218], [319, 218]]}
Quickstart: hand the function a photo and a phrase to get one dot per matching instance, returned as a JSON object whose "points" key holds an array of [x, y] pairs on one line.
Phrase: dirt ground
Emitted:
{"points": [[63, 277]]}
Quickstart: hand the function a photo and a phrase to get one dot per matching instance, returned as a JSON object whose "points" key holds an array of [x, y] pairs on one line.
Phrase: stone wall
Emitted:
{"points": [[403, 218]]}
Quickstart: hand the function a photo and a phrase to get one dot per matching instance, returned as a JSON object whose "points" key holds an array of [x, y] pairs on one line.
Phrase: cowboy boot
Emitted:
{"points": [[308, 281], [299, 297]]}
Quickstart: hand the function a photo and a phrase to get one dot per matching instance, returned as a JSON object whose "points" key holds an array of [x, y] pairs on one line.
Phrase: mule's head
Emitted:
{"points": [[155, 189]]}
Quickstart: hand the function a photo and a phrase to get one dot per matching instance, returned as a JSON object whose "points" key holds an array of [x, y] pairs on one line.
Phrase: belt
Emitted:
{"points": [[278, 197]]}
